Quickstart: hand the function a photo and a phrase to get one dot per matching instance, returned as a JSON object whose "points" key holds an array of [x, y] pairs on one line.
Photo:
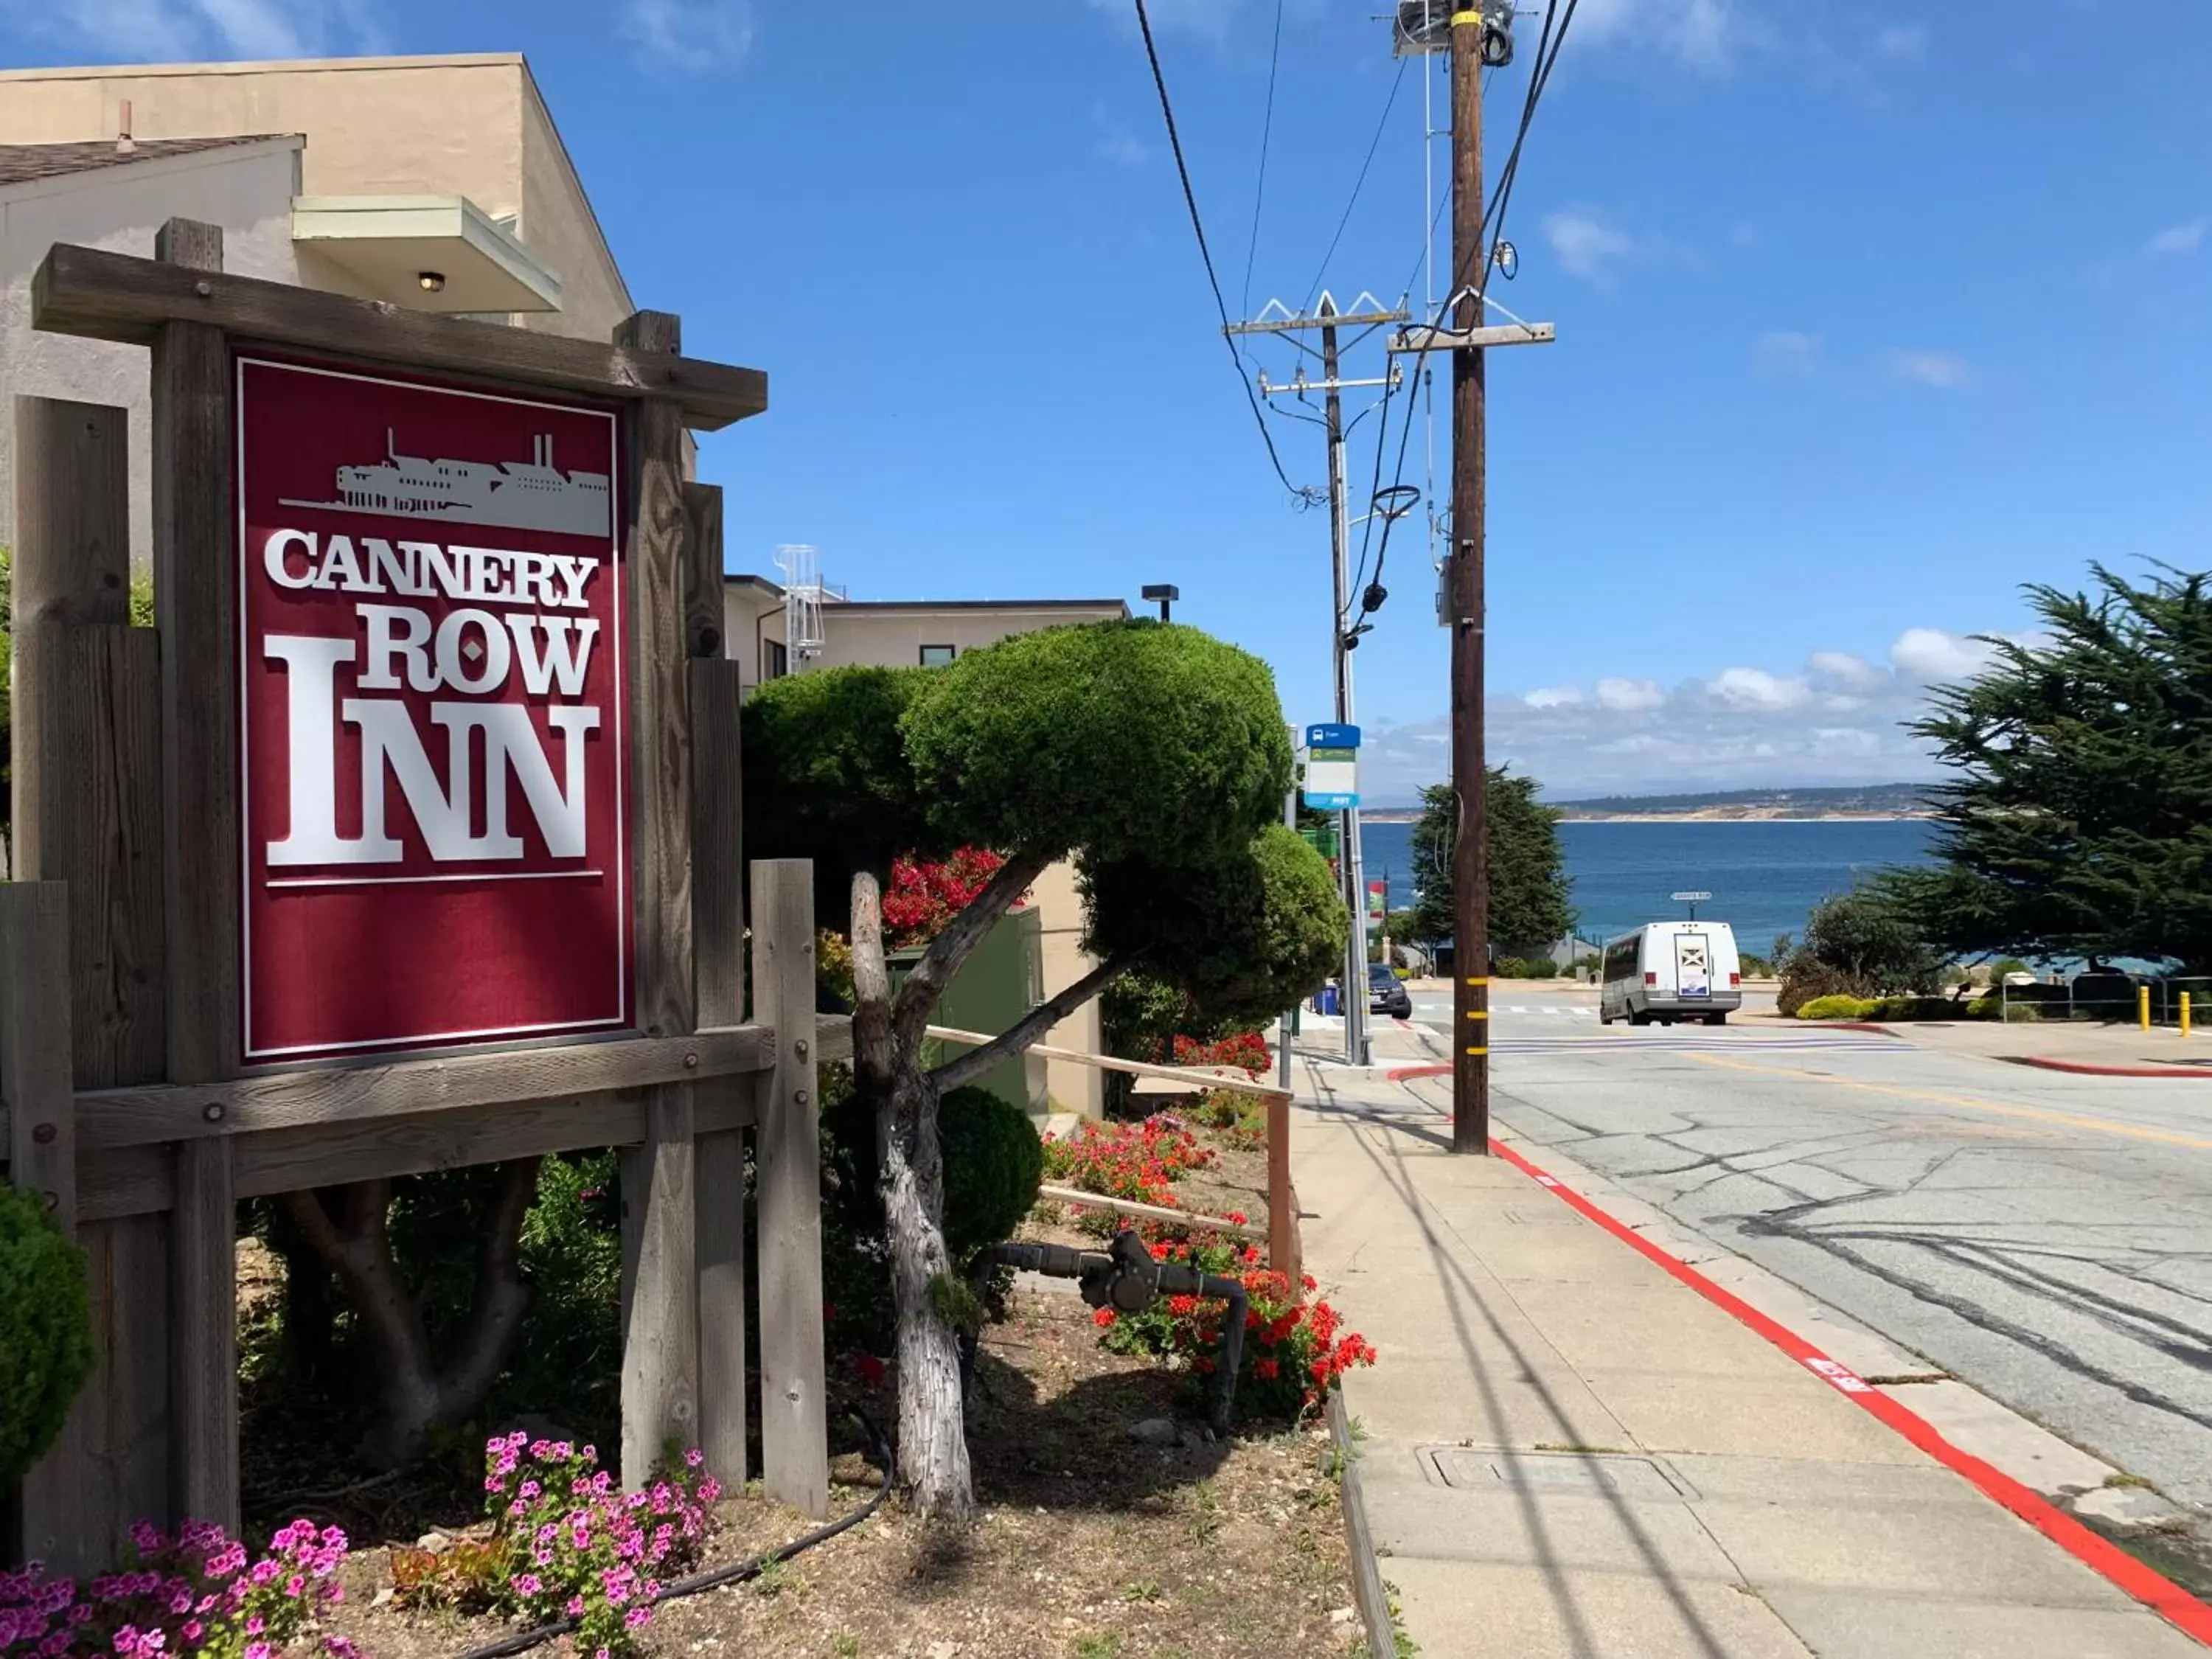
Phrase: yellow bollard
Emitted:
{"points": [[2142, 1005], [2185, 1013]]}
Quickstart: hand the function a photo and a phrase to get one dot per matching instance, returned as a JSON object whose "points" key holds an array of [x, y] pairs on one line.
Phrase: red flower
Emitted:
{"points": [[1266, 1369], [1102, 1317], [871, 1370]]}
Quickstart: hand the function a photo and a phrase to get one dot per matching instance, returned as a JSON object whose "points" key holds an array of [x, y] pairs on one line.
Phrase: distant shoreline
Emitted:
{"points": [[1722, 816], [1714, 815]]}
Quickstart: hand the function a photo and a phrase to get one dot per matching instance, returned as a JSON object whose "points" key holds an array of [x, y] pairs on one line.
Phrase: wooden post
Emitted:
{"points": [[88, 732], [1282, 1199], [35, 1044], [195, 596], [660, 1338], [718, 932], [195, 593], [658, 558], [795, 1426], [52, 1522]]}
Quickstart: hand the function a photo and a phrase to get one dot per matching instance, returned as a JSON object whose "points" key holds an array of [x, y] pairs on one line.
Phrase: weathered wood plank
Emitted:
{"points": [[660, 1336], [136, 1180], [703, 585], [203, 1336], [72, 536], [87, 709], [721, 1178], [112, 296], [109, 1467], [718, 909], [88, 774], [35, 1044], [349, 1094], [661, 777], [195, 587], [52, 1519], [795, 1426], [141, 1180]]}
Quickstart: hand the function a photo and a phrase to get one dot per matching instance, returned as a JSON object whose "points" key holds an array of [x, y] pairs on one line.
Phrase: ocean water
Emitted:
{"points": [[1764, 876]]}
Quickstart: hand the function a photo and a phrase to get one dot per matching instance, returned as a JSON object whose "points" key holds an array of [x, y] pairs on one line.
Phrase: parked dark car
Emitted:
{"points": [[1386, 992]]}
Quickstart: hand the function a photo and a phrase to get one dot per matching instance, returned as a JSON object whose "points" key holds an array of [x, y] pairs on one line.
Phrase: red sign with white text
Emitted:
{"points": [[432, 696]]}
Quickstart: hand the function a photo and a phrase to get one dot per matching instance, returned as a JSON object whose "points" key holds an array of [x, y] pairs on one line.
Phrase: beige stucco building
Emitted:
{"points": [[921, 634], [439, 184]]}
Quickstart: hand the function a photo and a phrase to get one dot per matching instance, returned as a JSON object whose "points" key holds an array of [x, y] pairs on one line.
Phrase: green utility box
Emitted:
{"points": [[1001, 980]]}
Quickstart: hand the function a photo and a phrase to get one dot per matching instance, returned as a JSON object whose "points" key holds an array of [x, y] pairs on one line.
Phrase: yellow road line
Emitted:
{"points": [[2098, 1125]]}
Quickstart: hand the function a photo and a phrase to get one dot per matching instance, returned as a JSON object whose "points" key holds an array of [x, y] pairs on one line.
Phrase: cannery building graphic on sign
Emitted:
{"points": [[532, 495]]}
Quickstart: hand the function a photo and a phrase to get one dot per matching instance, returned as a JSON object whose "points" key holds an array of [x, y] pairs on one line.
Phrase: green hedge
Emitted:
{"points": [[1895, 1008], [46, 1331], [1837, 1007], [1526, 968]]}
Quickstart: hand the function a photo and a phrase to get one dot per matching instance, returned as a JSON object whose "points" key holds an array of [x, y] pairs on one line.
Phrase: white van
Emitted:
{"points": [[1671, 970]]}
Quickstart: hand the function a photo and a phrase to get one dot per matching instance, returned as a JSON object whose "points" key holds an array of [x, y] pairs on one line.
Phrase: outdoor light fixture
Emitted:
{"points": [[1166, 593], [430, 282]]}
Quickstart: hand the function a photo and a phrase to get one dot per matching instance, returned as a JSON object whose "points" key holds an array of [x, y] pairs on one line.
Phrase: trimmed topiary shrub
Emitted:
{"points": [[46, 1331], [993, 1161]]}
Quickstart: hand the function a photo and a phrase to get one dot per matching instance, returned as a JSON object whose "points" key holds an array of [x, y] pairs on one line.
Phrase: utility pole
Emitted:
{"points": [[1339, 550], [1277, 320], [1470, 770]]}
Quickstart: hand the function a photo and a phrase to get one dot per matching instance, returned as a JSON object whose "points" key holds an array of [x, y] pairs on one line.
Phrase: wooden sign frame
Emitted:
{"points": [[128, 1106]]}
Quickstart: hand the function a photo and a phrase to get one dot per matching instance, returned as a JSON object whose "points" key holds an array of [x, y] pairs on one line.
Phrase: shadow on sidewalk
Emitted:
{"points": [[1387, 1134]]}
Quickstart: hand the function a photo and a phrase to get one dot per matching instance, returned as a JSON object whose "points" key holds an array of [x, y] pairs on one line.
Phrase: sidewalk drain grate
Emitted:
{"points": [[1596, 1474]]}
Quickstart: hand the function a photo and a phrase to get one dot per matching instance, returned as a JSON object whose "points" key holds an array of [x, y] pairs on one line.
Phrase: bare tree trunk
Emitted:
{"points": [[346, 1227], [933, 1443], [932, 1434]]}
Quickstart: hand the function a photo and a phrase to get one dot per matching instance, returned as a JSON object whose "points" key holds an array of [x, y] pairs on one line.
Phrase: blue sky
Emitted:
{"points": [[1866, 316]]}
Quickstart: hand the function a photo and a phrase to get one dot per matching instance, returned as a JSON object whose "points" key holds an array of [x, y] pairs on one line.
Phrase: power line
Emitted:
{"points": [[1360, 183], [1548, 45], [1266, 133], [1306, 495]]}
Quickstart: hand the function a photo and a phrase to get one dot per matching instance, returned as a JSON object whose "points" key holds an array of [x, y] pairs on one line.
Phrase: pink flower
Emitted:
{"points": [[637, 1618], [527, 1583]]}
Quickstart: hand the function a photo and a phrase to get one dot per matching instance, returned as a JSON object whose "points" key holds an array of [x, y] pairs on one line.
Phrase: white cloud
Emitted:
{"points": [[1704, 33], [2180, 239], [1627, 696], [142, 30], [1585, 245], [1929, 656], [1841, 668], [257, 29], [1945, 370], [689, 34], [1756, 689], [1840, 719], [1786, 351]]}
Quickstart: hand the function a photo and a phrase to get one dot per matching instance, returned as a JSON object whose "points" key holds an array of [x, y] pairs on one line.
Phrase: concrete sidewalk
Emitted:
{"points": [[1569, 1452]]}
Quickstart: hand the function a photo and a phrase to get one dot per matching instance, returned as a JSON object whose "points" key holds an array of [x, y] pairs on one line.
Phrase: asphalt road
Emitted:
{"points": [[2045, 1238]]}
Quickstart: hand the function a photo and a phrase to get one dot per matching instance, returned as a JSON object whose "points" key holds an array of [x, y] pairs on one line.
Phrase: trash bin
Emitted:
{"points": [[1325, 1002]]}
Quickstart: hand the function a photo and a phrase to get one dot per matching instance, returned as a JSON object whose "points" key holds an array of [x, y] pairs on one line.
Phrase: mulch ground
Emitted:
{"points": [[1090, 1546]]}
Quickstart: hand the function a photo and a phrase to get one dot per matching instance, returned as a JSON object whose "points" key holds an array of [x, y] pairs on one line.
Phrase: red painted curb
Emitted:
{"points": [[1404, 1072], [2163, 1596], [2083, 1070]]}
